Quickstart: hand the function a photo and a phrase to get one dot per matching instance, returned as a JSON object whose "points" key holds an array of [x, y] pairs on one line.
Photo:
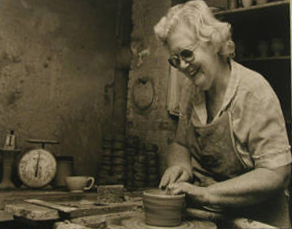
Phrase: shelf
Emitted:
{"points": [[270, 58], [259, 22], [256, 7]]}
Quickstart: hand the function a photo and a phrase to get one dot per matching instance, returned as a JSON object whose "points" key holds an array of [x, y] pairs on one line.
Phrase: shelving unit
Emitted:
{"points": [[270, 5], [259, 23]]}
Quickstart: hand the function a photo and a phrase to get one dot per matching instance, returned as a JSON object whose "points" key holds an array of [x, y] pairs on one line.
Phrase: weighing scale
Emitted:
{"points": [[37, 167]]}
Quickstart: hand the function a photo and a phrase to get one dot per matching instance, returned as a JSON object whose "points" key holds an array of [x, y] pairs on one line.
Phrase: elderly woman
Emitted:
{"points": [[231, 151]]}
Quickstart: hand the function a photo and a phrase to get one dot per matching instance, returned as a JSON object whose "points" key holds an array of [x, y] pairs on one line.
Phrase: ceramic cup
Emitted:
{"points": [[163, 209], [247, 3], [79, 183]]}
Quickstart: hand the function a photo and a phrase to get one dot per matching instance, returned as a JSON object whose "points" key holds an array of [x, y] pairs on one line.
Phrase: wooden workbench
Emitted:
{"points": [[99, 209], [105, 200], [17, 195], [105, 208]]}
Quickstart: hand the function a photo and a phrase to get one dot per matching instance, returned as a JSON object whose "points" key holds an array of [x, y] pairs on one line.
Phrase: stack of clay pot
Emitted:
{"points": [[153, 164], [140, 168], [119, 158], [146, 166], [131, 151], [105, 170], [130, 162]]}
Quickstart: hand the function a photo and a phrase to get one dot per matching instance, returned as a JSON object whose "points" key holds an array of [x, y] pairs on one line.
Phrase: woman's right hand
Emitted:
{"points": [[173, 175]]}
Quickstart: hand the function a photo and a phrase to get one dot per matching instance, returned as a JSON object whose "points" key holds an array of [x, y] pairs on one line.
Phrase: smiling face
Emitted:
{"points": [[201, 69]]}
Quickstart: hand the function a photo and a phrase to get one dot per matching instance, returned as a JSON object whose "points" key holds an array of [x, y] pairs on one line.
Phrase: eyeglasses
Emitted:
{"points": [[186, 54]]}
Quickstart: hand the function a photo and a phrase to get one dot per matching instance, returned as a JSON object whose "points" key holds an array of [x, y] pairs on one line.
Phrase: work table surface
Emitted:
{"points": [[105, 207], [111, 208], [14, 201]]}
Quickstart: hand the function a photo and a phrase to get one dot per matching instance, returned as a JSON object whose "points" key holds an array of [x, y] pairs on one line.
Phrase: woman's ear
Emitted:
{"points": [[228, 49]]}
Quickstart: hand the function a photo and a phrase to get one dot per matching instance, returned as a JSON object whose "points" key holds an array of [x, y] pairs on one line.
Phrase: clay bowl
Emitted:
{"points": [[163, 209]]}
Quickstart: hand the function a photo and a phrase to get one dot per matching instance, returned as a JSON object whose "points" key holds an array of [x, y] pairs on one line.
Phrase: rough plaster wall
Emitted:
{"points": [[153, 125], [55, 59]]}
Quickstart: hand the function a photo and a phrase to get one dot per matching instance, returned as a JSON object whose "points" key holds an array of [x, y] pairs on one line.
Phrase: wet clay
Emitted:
{"points": [[163, 209]]}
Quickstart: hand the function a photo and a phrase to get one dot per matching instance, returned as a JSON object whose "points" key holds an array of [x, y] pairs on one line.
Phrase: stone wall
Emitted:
{"points": [[56, 59], [147, 115]]}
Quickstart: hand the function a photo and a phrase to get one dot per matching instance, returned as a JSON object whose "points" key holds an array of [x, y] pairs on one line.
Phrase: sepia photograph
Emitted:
{"points": [[145, 114]]}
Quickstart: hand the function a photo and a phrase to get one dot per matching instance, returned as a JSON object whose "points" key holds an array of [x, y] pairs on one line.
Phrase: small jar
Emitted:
{"points": [[247, 3], [277, 46], [65, 167], [263, 48], [232, 4]]}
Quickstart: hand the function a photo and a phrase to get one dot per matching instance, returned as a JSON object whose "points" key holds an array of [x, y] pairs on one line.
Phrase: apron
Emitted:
{"points": [[216, 159]]}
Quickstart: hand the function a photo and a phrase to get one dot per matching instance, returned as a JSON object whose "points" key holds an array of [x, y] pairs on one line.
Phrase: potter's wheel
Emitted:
{"points": [[138, 222]]}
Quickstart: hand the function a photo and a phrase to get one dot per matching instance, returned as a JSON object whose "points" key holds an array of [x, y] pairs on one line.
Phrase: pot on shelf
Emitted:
{"points": [[277, 46], [247, 3], [263, 48]]}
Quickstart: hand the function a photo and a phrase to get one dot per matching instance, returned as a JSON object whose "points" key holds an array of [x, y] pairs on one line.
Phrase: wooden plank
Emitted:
{"points": [[35, 212], [8, 197], [31, 211]]}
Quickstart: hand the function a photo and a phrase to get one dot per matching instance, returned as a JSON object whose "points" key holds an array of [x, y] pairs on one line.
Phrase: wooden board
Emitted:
{"points": [[44, 210], [14, 196]]}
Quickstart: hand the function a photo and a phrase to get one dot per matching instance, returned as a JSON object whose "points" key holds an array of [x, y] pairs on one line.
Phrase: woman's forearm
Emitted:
{"points": [[179, 155], [249, 188]]}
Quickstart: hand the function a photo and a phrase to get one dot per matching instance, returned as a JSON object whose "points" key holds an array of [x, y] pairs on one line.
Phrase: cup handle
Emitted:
{"points": [[92, 180]]}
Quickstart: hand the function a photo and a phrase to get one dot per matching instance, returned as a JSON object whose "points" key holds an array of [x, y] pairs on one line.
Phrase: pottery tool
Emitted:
{"points": [[58, 207], [37, 167]]}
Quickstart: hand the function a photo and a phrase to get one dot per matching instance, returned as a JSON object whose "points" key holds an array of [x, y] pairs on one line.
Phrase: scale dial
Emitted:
{"points": [[37, 168]]}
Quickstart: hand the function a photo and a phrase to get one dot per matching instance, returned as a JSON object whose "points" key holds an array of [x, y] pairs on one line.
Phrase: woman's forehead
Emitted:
{"points": [[182, 36]]}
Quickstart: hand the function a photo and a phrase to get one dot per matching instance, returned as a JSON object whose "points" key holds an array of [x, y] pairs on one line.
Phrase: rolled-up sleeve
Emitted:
{"points": [[268, 142]]}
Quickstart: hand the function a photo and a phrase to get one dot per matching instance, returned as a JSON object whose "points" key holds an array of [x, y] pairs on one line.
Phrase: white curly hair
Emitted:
{"points": [[200, 19]]}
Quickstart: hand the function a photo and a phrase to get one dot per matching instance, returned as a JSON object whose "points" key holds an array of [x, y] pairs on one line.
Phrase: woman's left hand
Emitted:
{"points": [[198, 195]]}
